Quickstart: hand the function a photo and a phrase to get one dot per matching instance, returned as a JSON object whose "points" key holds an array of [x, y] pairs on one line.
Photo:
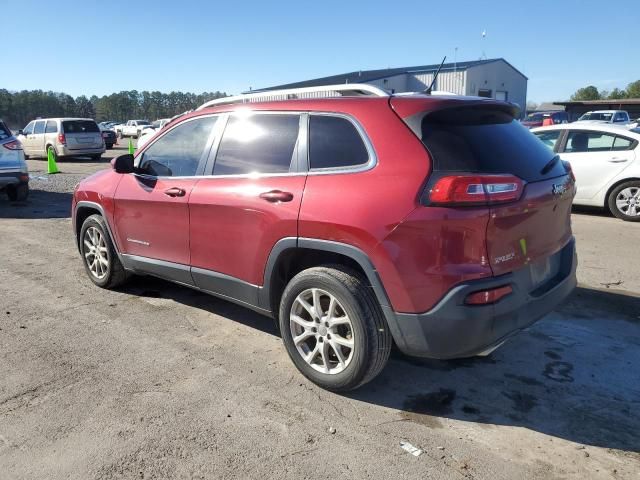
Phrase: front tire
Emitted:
{"points": [[333, 328], [100, 259], [624, 201]]}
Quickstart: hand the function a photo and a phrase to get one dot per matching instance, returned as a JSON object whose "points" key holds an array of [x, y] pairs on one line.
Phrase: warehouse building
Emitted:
{"points": [[493, 78]]}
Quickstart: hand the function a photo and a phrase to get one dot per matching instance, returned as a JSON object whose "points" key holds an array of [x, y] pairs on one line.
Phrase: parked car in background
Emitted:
{"points": [[538, 119], [133, 128], [606, 162], [605, 116], [149, 132], [109, 136], [63, 137], [14, 174], [351, 221]]}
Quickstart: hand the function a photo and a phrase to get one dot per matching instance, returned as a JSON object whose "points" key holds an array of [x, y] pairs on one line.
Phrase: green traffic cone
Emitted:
{"points": [[51, 162], [131, 148]]}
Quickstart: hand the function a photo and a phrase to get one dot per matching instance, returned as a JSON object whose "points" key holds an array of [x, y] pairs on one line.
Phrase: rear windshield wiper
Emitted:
{"points": [[547, 168]]}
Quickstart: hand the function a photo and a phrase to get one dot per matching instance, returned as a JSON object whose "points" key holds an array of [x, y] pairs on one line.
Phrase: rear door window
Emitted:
{"points": [[334, 142], [52, 126], [39, 127], [178, 153], [258, 143], [486, 140], [80, 126], [588, 141]]}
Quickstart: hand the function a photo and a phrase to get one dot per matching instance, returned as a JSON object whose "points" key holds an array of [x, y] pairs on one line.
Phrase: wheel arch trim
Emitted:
{"points": [[350, 251], [98, 207]]}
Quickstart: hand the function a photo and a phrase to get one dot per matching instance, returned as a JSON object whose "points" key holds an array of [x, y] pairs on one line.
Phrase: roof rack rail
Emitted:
{"points": [[344, 90]]}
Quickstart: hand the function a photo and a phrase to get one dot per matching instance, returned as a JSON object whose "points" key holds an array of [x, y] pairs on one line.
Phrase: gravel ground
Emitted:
{"points": [[159, 381]]}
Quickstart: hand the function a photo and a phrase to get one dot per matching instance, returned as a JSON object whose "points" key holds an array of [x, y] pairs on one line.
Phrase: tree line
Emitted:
{"points": [[19, 108], [592, 93]]}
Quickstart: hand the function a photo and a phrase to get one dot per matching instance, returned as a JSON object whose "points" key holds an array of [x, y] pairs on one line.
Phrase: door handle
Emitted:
{"points": [[175, 192], [617, 160], [276, 196]]}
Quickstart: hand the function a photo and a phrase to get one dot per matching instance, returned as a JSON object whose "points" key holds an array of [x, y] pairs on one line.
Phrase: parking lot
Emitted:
{"points": [[159, 381]]}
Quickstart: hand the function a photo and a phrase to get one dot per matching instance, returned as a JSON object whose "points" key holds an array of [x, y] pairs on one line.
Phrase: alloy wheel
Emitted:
{"points": [[322, 331], [95, 252], [628, 201]]}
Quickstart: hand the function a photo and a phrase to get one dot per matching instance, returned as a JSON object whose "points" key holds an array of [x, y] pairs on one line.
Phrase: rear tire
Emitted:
{"points": [[18, 193], [624, 201], [99, 256], [351, 342]]}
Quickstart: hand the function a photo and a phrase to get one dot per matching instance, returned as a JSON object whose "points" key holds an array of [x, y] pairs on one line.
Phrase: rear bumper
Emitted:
{"points": [[454, 330], [13, 178], [64, 151]]}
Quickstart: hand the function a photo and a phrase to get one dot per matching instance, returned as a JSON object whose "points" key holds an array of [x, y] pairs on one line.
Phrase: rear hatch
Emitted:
{"points": [[82, 134], [526, 187], [11, 158]]}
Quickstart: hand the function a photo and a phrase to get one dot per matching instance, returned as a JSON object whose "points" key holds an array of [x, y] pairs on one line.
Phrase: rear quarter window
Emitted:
{"points": [[80, 126], [485, 140], [334, 142]]}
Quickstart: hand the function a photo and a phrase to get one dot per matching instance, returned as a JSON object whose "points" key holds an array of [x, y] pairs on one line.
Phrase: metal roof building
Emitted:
{"points": [[577, 108], [495, 78]]}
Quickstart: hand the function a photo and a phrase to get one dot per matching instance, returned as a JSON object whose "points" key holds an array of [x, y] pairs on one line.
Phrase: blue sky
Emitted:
{"points": [[197, 45]]}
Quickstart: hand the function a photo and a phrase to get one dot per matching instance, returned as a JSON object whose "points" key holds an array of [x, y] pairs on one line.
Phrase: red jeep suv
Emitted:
{"points": [[438, 223]]}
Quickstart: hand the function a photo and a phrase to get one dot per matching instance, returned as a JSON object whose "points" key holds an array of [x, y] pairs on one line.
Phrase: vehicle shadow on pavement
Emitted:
{"points": [[574, 375], [39, 204], [594, 211], [155, 288]]}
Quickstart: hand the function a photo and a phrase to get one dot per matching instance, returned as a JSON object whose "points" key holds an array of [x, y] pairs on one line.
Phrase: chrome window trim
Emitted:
{"points": [[222, 123]]}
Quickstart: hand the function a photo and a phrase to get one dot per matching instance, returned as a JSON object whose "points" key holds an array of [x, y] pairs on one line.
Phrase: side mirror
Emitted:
{"points": [[123, 163], [20, 132]]}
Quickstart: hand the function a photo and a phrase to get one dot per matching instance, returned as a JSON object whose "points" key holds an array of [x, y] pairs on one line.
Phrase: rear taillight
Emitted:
{"points": [[13, 145], [567, 167], [476, 190], [62, 139], [487, 297]]}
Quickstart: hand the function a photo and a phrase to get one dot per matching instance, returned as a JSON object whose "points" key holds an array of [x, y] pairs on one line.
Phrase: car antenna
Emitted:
{"points": [[435, 77]]}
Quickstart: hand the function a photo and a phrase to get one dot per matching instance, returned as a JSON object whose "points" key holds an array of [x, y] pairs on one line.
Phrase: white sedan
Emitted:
{"points": [[606, 163]]}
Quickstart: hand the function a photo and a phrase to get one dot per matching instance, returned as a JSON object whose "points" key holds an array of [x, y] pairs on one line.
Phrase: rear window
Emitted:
{"points": [[80, 126], [482, 140], [4, 131]]}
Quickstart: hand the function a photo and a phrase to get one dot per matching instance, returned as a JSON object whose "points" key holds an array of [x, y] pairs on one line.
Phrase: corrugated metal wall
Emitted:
{"points": [[453, 82]]}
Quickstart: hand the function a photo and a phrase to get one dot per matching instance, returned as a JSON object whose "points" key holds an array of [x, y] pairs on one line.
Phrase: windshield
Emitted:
{"points": [[597, 116]]}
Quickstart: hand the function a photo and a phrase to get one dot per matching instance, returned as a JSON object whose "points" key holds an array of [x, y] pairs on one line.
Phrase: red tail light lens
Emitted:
{"points": [[476, 190], [13, 145], [62, 139], [487, 297]]}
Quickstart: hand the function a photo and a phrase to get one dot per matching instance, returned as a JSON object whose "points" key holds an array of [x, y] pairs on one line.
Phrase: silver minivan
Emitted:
{"points": [[64, 137]]}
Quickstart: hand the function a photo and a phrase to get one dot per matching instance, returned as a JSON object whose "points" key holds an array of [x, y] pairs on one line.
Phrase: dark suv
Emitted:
{"points": [[438, 223]]}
